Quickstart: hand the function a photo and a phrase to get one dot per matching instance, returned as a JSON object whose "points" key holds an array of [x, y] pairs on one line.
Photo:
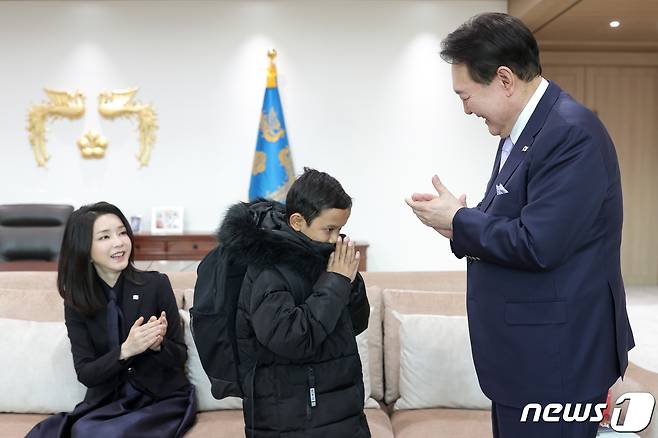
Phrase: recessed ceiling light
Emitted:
{"points": [[615, 23]]}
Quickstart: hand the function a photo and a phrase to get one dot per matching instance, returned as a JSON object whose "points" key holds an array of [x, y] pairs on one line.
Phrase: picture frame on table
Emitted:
{"points": [[167, 220], [136, 223]]}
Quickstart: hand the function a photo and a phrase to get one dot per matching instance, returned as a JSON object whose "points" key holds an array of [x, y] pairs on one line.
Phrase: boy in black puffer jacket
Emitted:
{"points": [[301, 305]]}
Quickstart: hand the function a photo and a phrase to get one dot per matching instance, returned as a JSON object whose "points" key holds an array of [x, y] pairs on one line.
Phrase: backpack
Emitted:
{"points": [[216, 294]]}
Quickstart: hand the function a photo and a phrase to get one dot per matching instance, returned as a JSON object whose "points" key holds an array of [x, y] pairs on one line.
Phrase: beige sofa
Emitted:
{"points": [[32, 296]]}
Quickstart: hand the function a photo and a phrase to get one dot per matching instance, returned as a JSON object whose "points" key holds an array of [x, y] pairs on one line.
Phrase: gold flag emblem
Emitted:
{"points": [[270, 126]]}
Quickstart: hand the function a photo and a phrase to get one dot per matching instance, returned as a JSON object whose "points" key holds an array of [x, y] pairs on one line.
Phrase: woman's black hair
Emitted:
{"points": [[76, 275], [313, 192], [491, 40]]}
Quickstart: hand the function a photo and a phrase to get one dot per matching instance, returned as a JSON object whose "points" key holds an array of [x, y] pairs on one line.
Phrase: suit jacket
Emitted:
{"points": [[546, 301], [97, 364]]}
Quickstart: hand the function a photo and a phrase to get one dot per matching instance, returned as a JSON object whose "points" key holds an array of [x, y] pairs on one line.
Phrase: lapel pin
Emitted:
{"points": [[525, 148], [135, 297]]}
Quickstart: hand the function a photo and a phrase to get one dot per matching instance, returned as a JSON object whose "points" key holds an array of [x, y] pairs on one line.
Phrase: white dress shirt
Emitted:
{"points": [[521, 121]]}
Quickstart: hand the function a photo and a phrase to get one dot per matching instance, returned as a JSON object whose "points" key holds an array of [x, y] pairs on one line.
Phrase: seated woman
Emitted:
{"points": [[126, 336]]}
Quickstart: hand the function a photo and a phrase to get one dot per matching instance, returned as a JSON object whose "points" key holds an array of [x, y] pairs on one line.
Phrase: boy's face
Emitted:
{"points": [[325, 227]]}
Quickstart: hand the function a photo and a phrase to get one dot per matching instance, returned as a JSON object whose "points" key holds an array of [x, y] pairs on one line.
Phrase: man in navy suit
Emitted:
{"points": [[545, 299]]}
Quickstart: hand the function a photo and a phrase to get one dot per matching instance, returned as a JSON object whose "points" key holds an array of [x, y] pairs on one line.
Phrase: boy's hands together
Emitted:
{"points": [[344, 260]]}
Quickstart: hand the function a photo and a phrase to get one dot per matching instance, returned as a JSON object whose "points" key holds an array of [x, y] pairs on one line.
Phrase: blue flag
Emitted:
{"points": [[272, 173]]}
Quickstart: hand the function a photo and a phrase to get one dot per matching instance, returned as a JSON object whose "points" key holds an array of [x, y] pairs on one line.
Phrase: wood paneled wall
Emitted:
{"points": [[623, 91]]}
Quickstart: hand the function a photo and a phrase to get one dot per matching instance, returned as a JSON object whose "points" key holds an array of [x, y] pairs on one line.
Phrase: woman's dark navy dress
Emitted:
{"points": [[127, 412]]}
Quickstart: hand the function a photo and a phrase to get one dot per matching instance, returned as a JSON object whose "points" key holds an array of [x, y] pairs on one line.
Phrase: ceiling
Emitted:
{"points": [[584, 24]]}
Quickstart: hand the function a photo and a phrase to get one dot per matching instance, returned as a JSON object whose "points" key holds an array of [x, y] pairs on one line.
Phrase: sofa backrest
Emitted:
{"points": [[34, 296], [434, 280], [30, 296], [29, 280], [31, 304], [411, 302], [182, 280]]}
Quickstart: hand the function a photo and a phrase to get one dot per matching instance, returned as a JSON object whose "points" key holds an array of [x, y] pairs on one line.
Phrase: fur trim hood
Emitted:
{"points": [[257, 234]]}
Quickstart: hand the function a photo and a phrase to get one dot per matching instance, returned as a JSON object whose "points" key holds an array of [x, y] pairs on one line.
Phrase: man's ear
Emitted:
{"points": [[296, 221], [506, 78]]}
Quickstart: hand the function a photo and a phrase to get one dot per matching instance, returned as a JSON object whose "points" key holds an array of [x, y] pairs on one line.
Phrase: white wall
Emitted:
{"points": [[365, 95]]}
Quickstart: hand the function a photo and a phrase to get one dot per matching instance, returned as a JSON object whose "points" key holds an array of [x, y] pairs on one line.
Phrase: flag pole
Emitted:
{"points": [[272, 171]]}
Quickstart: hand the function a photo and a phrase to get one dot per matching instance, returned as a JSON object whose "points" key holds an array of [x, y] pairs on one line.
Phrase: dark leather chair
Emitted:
{"points": [[32, 231]]}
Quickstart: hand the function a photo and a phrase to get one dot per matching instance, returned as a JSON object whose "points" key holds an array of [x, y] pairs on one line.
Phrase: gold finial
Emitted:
{"points": [[271, 70]]}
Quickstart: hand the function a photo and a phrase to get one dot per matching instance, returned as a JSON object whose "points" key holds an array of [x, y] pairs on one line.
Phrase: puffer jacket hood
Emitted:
{"points": [[257, 233]]}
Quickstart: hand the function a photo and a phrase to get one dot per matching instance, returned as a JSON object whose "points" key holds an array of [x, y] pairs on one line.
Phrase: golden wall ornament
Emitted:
{"points": [[62, 104], [92, 145], [119, 103]]}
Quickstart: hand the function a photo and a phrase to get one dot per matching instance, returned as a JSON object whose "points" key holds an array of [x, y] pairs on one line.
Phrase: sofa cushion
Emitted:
{"points": [[453, 423], [436, 364], [375, 340], [179, 294], [406, 302], [217, 424], [188, 299], [379, 423], [41, 377], [198, 377], [362, 345]]}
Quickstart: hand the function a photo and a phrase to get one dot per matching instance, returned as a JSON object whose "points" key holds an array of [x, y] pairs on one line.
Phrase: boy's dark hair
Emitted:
{"points": [[488, 41], [76, 276], [313, 192]]}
